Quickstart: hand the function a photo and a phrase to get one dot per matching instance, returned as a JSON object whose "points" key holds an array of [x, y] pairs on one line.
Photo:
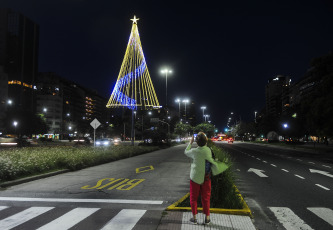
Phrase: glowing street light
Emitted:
{"points": [[203, 112], [206, 116], [15, 123], [44, 110], [9, 102], [166, 71]]}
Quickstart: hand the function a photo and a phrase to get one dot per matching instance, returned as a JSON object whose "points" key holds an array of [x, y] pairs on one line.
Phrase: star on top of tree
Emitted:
{"points": [[134, 19]]}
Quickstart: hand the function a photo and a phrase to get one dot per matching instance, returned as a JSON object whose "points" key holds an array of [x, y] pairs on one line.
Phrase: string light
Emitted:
{"points": [[134, 86]]}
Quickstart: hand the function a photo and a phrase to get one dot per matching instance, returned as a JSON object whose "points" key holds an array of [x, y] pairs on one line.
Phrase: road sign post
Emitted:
{"points": [[95, 124]]}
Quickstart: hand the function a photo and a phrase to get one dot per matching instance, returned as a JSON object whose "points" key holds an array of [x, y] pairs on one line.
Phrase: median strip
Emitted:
{"points": [[245, 211]]}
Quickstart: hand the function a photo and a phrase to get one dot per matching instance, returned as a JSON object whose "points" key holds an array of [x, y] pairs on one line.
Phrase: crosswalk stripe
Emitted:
{"points": [[69, 219], [21, 217], [3, 207], [289, 219], [125, 219], [324, 213]]}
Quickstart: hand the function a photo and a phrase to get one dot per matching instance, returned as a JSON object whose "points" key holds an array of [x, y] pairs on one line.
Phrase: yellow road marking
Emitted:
{"points": [[144, 169]]}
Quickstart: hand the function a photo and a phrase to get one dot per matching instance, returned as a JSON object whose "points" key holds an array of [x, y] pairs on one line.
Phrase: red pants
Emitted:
{"points": [[205, 190]]}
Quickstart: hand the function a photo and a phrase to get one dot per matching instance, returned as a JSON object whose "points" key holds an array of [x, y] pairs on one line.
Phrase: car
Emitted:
{"points": [[230, 140], [103, 142], [117, 140], [7, 140]]}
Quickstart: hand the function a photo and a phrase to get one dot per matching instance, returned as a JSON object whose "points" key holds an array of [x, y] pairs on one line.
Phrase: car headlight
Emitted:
{"points": [[106, 143], [98, 143]]}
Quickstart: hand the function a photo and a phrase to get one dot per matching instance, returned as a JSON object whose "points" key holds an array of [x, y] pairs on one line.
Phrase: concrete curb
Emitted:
{"points": [[244, 212], [32, 178]]}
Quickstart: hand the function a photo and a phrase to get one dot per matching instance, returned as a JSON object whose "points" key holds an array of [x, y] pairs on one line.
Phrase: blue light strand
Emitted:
{"points": [[121, 97]]}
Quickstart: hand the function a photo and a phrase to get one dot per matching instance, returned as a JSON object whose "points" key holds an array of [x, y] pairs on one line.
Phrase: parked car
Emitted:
{"points": [[230, 140]]}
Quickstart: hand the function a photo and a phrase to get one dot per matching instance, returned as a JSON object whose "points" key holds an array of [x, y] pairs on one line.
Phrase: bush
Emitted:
{"points": [[20, 162]]}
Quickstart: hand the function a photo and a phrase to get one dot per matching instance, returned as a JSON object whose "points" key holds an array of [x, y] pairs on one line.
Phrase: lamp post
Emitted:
{"points": [[15, 124], [185, 101], [203, 112], [166, 71], [255, 116], [206, 115], [178, 100]]}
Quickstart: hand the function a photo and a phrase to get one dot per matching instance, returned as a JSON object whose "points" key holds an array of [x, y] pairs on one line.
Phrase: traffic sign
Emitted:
{"points": [[95, 123]]}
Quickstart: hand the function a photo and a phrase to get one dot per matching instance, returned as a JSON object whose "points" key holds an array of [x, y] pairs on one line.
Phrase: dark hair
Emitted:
{"points": [[201, 139]]}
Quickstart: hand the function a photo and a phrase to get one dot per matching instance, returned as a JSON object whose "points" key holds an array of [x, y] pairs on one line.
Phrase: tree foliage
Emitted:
{"points": [[207, 128]]}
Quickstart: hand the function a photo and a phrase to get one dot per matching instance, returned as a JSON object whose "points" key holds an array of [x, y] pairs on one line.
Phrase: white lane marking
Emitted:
{"points": [[258, 172], [264, 161], [299, 176], [273, 165], [115, 201], [258, 159], [69, 219], [3, 207], [289, 219], [327, 166], [125, 219], [324, 213], [321, 172], [285, 170], [299, 159], [323, 187], [21, 217], [312, 162]]}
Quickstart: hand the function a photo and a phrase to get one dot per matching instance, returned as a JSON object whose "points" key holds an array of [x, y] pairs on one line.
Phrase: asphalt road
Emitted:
{"points": [[119, 195], [285, 189]]}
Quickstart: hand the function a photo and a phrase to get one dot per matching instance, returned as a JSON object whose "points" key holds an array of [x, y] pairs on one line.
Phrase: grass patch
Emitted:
{"points": [[224, 194], [22, 162]]}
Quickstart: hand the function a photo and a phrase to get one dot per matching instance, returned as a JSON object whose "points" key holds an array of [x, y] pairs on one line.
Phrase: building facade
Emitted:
{"points": [[68, 107], [19, 41], [277, 95]]}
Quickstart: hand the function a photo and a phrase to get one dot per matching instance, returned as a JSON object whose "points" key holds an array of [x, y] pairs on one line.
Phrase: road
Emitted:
{"points": [[126, 194], [285, 189]]}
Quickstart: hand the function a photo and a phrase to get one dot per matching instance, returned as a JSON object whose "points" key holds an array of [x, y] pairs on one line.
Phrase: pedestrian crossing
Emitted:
{"points": [[291, 221], [39, 218]]}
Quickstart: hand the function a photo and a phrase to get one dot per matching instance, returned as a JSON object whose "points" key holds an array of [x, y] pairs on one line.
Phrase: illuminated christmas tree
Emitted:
{"points": [[134, 87]]}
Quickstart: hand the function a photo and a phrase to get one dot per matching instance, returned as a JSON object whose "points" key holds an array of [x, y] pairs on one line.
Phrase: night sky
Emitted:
{"points": [[222, 53]]}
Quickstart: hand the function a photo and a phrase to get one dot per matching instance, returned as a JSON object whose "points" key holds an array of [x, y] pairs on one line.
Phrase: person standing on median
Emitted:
{"points": [[201, 177]]}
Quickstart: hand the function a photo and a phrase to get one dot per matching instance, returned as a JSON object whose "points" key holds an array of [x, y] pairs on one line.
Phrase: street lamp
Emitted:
{"points": [[9, 102], [206, 115], [44, 110], [15, 124], [185, 101], [255, 116], [203, 112], [166, 71], [178, 101]]}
